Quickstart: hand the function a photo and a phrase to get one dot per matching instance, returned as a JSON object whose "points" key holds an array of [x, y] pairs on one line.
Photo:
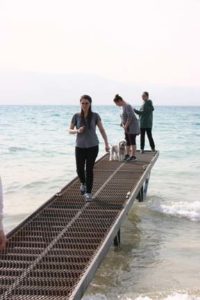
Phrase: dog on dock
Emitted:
{"points": [[122, 150], [117, 152]]}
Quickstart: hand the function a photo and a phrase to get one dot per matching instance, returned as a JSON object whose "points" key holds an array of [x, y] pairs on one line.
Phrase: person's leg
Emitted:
{"points": [[133, 144], [132, 138], [90, 161], [127, 150], [151, 141], [80, 154], [142, 138], [127, 154]]}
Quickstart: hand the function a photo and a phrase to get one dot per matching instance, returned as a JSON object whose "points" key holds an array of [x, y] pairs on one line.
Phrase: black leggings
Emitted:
{"points": [[130, 139], [85, 159], [150, 138]]}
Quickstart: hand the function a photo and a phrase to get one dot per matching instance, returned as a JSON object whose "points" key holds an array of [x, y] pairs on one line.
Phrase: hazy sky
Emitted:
{"points": [[139, 41]]}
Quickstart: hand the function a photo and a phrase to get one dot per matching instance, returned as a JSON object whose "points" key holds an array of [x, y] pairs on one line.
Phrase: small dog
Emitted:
{"points": [[114, 152], [122, 150], [117, 152]]}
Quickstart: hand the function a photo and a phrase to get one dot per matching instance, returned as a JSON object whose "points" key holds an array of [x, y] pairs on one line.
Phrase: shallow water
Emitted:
{"points": [[160, 250]]}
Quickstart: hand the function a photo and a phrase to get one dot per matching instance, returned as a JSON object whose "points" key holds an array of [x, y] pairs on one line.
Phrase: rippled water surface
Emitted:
{"points": [[160, 250]]}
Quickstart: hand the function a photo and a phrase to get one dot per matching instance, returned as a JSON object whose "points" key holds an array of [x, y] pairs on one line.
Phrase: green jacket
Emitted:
{"points": [[146, 114]]}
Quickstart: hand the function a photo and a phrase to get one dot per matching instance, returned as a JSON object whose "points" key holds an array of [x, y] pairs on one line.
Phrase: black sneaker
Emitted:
{"points": [[132, 158], [126, 157]]}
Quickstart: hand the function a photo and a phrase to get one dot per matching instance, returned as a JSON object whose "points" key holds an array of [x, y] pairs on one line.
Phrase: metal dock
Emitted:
{"points": [[55, 252]]}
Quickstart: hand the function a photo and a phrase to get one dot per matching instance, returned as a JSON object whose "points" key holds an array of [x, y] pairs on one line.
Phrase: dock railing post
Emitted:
{"points": [[146, 184], [140, 195], [117, 239], [143, 191]]}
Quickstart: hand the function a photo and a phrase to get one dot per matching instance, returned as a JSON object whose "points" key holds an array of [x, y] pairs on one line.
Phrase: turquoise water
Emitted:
{"points": [[160, 251]]}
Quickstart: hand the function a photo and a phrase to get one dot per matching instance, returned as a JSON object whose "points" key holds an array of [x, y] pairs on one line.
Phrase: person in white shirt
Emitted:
{"points": [[2, 234]]}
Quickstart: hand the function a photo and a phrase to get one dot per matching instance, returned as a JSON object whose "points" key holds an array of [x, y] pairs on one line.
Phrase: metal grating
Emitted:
{"points": [[55, 252]]}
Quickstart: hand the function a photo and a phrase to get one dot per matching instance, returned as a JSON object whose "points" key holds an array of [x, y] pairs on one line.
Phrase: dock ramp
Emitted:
{"points": [[56, 251]]}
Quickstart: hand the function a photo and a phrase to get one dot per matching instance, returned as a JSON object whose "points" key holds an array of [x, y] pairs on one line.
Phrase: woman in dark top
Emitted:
{"points": [[84, 124], [146, 121]]}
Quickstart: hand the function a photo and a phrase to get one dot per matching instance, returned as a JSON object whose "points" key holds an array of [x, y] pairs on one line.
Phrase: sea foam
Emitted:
{"points": [[174, 296], [189, 210]]}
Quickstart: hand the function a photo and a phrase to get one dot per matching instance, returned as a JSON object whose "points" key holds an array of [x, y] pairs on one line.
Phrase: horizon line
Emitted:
{"points": [[40, 104]]}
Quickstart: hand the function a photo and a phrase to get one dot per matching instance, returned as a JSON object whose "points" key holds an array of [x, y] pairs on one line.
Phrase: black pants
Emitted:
{"points": [[85, 159], [130, 139], [142, 138]]}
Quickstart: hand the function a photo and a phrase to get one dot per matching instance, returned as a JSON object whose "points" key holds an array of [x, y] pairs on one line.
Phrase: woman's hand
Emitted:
{"points": [[107, 148], [126, 127], [3, 240], [73, 130], [81, 129]]}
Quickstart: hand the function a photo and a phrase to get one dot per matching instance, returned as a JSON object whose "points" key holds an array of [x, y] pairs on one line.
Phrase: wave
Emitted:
{"points": [[174, 296], [35, 184], [95, 297], [15, 187], [55, 115], [189, 210], [42, 152], [15, 149]]}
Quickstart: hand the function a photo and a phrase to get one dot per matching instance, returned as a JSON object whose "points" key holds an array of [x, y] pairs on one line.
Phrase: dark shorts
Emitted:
{"points": [[130, 139]]}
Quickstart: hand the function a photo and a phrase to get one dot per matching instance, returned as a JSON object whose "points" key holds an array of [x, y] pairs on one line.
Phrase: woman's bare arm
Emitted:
{"points": [[104, 135], [74, 130]]}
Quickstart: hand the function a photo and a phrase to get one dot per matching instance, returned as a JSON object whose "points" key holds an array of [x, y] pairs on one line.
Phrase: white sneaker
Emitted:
{"points": [[82, 189], [88, 197]]}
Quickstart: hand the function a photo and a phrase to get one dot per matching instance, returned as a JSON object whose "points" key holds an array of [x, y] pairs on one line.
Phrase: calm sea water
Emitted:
{"points": [[160, 251]]}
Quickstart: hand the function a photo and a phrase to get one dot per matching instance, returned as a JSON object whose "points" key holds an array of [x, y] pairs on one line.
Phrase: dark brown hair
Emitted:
{"points": [[117, 98], [87, 121], [146, 94]]}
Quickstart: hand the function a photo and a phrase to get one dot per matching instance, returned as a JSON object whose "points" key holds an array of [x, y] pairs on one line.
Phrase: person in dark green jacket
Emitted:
{"points": [[146, 121]]}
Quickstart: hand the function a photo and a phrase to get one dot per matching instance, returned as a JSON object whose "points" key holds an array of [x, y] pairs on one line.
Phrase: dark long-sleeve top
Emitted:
{"points": [[146, 114]]}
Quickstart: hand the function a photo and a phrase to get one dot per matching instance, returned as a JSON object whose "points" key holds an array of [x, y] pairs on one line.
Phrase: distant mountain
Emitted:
{"points": [[44, 88]]}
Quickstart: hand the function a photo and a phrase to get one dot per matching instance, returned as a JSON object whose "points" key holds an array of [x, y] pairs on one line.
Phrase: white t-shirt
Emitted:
{"points": [[1, 206]]}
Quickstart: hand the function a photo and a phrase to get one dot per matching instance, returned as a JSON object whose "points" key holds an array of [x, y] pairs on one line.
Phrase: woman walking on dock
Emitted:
{"points": [[84, 124], [130, 125], [2, 234], [146, 121]]}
